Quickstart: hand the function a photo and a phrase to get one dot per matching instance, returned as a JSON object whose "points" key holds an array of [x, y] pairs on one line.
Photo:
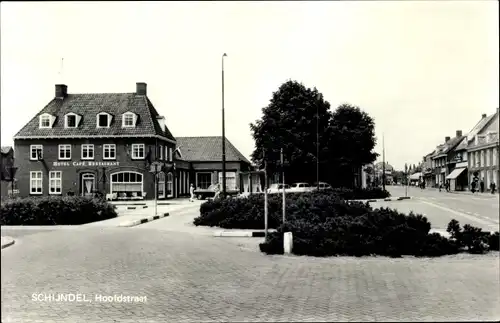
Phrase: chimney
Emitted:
{"points": [[459, 133], [161, 121], [141, 88], [446, 139], [61, 91], [484, 115]]}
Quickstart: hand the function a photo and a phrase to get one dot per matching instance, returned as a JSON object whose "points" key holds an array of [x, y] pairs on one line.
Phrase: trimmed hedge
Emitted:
{"points": [[55, 210], [248, 212], [324, 224]]}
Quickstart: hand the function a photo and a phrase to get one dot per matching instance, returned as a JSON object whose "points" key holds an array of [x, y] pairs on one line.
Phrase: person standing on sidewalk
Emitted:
{"points": [[473, 187], [191, 192], [481, 184], [493, 187]]}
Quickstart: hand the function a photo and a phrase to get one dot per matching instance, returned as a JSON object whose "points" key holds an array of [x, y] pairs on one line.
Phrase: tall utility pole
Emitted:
{"points": [[223, 136], [383, 162], [317, 140], [283, 178]]}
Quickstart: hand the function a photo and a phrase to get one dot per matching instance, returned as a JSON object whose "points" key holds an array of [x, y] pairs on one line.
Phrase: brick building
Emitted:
{"points": [[106, 142]]}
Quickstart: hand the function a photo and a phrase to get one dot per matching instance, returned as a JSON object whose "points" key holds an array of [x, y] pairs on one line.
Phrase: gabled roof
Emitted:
{"points": [[451, 144], [6, 149], [463, 144], [88, 105], [208, 149], [479, 126]]}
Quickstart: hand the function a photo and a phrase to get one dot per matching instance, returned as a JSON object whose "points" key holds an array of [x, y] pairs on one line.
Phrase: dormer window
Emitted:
{"points": [[71, 120], [47, 120], [129, 119], [103, 120]]}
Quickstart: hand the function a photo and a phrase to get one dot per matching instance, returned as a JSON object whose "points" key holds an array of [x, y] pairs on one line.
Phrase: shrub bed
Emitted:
{"points": [[248, 213], [384, 232], [55, 210]]}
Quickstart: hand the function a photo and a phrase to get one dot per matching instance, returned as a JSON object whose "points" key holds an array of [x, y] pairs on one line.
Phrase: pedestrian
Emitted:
{"points": [[217, 191], [493, 187], [473, 187], [481, 184], [447, 185], [440, 186], [191, 192]]}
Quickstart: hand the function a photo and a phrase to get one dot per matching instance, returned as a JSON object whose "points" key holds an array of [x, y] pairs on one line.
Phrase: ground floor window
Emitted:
{"points": [[230, 180], [127, 184], [170, 184], [161, 185], [203, 180], [36, 181], [55, 182]]}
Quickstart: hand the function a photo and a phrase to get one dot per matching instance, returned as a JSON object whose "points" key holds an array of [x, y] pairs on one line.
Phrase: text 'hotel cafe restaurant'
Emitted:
{"points": [[107, 142]]}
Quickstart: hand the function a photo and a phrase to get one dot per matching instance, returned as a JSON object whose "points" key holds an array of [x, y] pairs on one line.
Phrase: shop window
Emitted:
{"points": [[203, 180]]}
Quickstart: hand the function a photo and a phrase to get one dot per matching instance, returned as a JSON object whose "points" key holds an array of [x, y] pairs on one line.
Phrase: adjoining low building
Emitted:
{"points": [[110, 143]]}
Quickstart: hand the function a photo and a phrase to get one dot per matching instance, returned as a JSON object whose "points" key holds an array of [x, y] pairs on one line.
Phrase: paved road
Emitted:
{"points": [[188, 277], [441, 207]]}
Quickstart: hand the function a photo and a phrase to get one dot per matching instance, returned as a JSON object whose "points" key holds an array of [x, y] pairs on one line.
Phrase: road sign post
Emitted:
{"points": [[155, 169]]}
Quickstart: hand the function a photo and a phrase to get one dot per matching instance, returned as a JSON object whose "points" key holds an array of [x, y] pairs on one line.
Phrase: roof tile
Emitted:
{"points": [[88, 105], [207, 149]]}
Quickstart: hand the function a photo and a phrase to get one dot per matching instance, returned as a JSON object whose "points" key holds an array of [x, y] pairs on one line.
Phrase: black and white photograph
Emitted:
{"points": [[249, 161]]}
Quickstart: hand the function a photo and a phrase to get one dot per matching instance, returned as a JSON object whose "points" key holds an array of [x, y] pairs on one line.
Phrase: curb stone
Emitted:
{"points": [[7, 241], [388, 199], [241, 234], [143, 220]]}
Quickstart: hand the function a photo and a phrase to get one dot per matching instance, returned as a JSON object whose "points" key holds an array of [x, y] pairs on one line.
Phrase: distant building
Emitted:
{"points": [[483, 150], [442, 156], [6, 162], [379, 167]]}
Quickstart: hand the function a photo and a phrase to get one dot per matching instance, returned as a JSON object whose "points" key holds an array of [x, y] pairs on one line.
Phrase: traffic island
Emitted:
{"points": [[143, 220], [7, 241]]}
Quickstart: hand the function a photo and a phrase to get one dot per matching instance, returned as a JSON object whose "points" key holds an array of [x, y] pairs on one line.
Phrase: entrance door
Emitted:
{"points": [[88, 184], [161, 185]]}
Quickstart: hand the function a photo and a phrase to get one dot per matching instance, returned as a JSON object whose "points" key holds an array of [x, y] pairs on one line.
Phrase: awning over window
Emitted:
{"points": [[456, 172], [415, 176]]}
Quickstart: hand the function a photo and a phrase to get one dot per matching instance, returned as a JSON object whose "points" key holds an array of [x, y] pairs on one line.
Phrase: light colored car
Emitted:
{"points": [[300, 187], [277, 188], [322, 186]]}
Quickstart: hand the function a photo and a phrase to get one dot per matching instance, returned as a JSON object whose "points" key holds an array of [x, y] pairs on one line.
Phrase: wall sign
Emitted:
{"points": [[85, 163]]}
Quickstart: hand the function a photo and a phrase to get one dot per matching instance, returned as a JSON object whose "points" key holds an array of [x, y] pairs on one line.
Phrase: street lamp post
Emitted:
{"points": [[383, 162], [223, 135]]}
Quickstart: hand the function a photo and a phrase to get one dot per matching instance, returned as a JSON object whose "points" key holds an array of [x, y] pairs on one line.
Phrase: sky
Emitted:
{"points": [[421, 69]]}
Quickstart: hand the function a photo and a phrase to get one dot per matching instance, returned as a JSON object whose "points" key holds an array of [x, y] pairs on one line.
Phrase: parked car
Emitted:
{"points": [[209, 192], [322, 186], [300, 187], [277, 188]]}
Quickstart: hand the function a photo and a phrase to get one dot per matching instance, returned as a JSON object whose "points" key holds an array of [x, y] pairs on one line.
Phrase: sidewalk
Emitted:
{"points": [[464, 192]]}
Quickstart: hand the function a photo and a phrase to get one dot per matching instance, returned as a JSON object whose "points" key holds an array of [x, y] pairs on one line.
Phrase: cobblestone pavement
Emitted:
{"points": [[188, 277]]}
